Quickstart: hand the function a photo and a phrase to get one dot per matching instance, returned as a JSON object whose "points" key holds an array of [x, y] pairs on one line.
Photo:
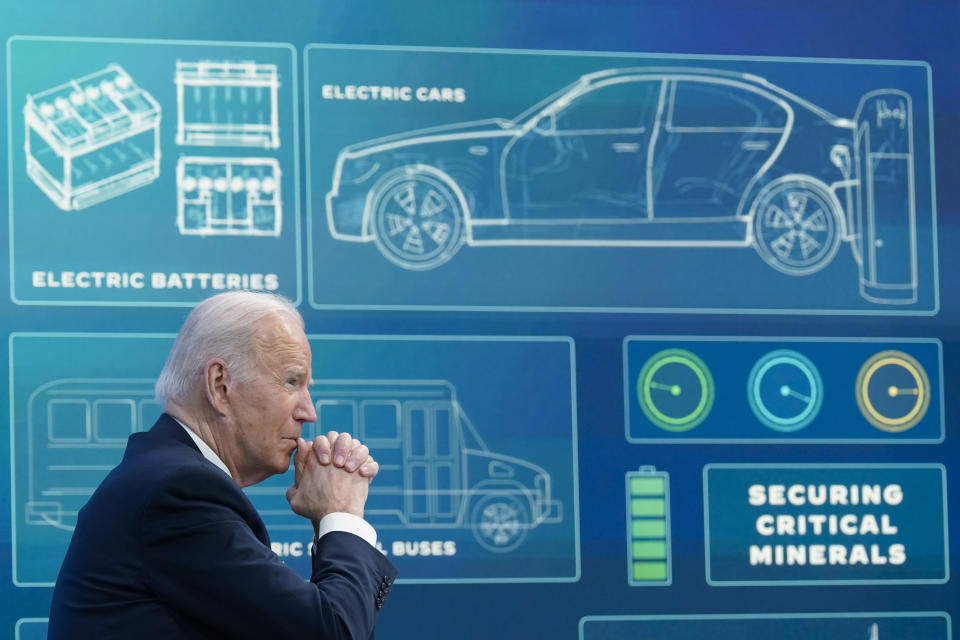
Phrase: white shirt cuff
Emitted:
{"points": [[349, 523]]}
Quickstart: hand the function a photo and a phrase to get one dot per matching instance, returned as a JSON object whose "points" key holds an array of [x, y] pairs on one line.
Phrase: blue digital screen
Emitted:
{"points": [[648, 310]]}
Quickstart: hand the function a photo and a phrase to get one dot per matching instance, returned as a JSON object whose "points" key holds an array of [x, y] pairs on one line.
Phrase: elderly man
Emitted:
{"points": [[170, 547]]}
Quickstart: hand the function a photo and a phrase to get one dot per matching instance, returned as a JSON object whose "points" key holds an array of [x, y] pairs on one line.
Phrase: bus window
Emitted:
{"points": [[68, 420], [446, 486], [114, 419], [444, 432], [149, 412], [336, 415], [381, 420], [418, 432], [417, 491]]}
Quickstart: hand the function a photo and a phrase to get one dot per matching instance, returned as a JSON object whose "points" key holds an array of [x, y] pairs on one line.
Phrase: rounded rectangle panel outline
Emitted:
{"points": [[259, 214], [366, 175], [944, 557], [421, 405], [752, 414], [31, 629], [732, 625]]}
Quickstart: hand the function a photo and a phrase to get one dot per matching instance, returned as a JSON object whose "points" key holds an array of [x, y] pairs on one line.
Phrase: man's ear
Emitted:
{"points": [[216, 386]]}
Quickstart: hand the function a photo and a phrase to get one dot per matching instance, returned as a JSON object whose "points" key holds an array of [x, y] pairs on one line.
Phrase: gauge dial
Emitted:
{"points": [[675, 390], [893, 391], [785, 390]]}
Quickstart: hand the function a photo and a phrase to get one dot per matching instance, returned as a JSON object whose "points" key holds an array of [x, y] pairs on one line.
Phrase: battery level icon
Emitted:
{"points": [[648, 527]]}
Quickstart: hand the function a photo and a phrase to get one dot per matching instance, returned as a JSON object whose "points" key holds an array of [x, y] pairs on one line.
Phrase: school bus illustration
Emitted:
{"points": [[77, 431], [436, 472]]}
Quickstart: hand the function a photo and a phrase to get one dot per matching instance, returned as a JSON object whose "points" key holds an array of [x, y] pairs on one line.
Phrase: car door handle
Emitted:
{"points": [[755, 145], [626, 147]]}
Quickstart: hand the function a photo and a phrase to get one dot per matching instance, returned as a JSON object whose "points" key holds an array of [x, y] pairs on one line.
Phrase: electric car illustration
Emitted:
{"points": [[650, 157]]}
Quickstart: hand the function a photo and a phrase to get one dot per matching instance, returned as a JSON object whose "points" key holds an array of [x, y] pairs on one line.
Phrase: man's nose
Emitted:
{"points": [[305, 411]]}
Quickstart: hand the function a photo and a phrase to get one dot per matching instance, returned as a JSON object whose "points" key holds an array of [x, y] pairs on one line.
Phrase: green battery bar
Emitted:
{"points": [[648, 527]]}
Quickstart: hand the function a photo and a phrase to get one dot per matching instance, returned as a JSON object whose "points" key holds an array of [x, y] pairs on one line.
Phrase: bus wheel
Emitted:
{"points": [[795, 228], [417, 219], [499, 523]]}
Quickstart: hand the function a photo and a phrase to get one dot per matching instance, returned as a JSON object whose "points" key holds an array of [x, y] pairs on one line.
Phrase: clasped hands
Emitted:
{"points": [[331, 474]]}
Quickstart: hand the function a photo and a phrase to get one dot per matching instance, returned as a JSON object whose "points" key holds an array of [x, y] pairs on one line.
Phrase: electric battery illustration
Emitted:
{"points": [[648, 527], [92, 138], [228, 196], [227, 104]]}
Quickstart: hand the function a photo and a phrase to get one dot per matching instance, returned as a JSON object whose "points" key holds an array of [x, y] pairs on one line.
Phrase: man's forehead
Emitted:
{"points": [[281, 337]]}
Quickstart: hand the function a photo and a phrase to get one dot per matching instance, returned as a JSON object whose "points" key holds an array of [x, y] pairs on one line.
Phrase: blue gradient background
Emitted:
{"points": [[924, 30]]}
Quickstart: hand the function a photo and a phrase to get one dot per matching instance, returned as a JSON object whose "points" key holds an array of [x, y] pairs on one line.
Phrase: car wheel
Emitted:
{"points": [[795, 227], [499, 522], [418, 220]]}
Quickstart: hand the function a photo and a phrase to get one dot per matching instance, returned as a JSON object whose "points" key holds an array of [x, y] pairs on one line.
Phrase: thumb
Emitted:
{"points": [[299, 460]]}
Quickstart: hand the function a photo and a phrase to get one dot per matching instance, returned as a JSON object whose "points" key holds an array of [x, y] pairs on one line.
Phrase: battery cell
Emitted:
{"points": [[228, 196], [648, 527], [92, 138], [230, 104]]}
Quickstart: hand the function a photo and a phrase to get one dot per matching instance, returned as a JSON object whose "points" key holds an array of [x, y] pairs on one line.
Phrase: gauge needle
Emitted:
{"points": [[674, 389], [894, 392], [785, 391]]}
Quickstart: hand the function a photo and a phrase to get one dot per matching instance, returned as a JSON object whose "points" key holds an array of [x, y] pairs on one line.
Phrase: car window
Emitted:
{"points": [[618, 104], [703, 104]]}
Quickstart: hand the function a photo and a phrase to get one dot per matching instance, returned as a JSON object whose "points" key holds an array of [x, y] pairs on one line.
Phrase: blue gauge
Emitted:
{"points": [[785, 390]]}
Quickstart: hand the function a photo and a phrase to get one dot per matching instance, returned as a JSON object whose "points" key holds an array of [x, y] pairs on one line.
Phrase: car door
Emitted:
{"points": [[716, 136], [585, 160]]}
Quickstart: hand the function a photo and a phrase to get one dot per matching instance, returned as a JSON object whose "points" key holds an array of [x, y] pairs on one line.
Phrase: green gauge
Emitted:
{"points": [[893, 391], [785, 390], [675, 390]]}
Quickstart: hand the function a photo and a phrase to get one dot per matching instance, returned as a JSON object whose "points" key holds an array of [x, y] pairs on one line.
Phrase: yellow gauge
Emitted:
{"points": [[893, 391]]}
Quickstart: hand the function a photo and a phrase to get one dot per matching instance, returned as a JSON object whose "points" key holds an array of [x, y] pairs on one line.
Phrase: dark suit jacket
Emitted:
{"points": [[169, 547]]}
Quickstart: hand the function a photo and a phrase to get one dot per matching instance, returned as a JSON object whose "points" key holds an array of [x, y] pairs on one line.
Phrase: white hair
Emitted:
{"points": [[222, 326]]}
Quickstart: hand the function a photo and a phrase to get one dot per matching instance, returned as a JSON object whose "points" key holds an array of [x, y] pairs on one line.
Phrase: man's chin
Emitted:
{"points": [[287, 462]]}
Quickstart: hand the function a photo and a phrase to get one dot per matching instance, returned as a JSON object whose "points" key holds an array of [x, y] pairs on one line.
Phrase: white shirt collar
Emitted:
{"points": [[205, 449]]}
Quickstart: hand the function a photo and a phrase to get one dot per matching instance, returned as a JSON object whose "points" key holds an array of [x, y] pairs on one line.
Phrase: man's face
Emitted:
{"points": [[270, 408]]}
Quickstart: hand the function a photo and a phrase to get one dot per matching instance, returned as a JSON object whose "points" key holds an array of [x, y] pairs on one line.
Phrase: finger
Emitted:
{"points": [[369, 468], [321, 447], [358, 455], [341, 449], [300, 459]]}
